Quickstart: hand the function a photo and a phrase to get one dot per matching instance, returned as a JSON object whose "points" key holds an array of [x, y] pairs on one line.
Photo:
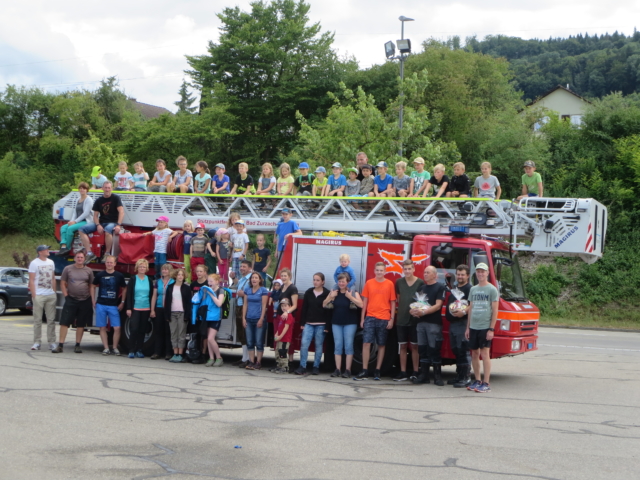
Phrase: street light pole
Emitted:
{"points": [[402, 58]]}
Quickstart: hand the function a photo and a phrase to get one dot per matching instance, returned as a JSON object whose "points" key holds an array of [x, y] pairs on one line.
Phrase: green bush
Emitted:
{"points": [[544, 286]]}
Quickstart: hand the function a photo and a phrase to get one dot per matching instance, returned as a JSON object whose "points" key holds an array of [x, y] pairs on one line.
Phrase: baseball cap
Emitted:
{"points": [[200, 225], [354, 170], [96, 171], [212, 232], [382, 164], [222, 231], [220, 165], [286, 210], [418, 160], [239, 221], [336, 165], [367, 167], [164, 219], [278, 281], [41, 248], [482, 266], [529, 163], [321, 170], [303, 165]]}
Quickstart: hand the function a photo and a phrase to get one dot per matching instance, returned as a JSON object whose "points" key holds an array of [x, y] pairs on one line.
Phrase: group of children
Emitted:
{"points": [[358, 183]]}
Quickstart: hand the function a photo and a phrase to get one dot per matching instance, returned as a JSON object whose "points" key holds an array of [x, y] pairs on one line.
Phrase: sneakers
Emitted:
{"points": [[376, 375], [77, 349], [483, 388], [401, 377], [346, 374], [336, 373], [36, 346], [423, 376], [257, 366], [249, 366], [174, 359], [243, 364], [106, 352], [300, 371], [209, 363], [218, 363], [315, 371], [155, 356], [183, 359], [104, 258], [281, 370], [139, 354], [53, 346], [89, 258], [363, 375], [58, 349], [413, 376], [63, 251], [474, 385], [116, 352], [132, 355]]}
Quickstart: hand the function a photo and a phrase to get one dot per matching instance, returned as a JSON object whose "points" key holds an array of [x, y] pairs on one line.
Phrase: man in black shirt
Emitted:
{"points": [[108, 214], [361, 161], [429, 326], [457, 325]]}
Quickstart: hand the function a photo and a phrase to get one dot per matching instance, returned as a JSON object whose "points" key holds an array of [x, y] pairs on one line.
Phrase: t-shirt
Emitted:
{"points": [[531, 182], [78, 280], [461, 184], [260, 257], [254, 301], [44, 270], [401, 183], [182, 178], [486, 186], [281, 323], [243, 185], [406, 296], [419, 179], [161, 238], [265, 182], [283, 229], [438, 183], [379, 295], [361, 176], [108, 208], [287, 293], [319, 184], [434, 292], [366, 185], [223, 248], [304, 183], [199, 246], [353, 188], [201, 180], [122, 180], [465, 289], [481, 299], [285, 185], [98, 181], [213, 242], [239, 240], [196, 286], [343, 314], [383, 183], [220, 182], [160, 179], [335, 183], [186, 242], [140, 180], [141, 298], [109, 287], [176, 300]]}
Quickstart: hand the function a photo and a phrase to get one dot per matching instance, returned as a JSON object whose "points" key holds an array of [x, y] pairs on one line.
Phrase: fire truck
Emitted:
{"points": [[444, 233]]}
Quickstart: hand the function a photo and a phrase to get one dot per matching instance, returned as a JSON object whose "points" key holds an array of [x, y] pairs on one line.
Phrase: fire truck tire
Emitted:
{"points": [[390, 354], [147, 347], [329, 363]]}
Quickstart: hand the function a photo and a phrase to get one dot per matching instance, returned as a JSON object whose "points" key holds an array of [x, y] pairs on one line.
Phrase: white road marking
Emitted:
{"points": [[591, 348]]}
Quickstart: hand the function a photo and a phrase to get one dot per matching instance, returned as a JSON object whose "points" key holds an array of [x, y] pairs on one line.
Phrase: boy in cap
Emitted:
{"points": [[198, 250], [285, 229], [483, 314], [337, 183], [531, 181], [320, 182], [97, 179], [303, 185], [42, 285], [383, 183], [353, 184], [419, 177], [220, 181], [240, 242]]}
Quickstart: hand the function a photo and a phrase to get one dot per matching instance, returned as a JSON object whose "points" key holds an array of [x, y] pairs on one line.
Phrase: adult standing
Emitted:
{"points": [[42, 285], [108, 214], [108, 302], [457, 327], [406, 288], [75, 282], [361, 161], [290, 292], [314, 323], [177, 310], [254, 310], [344, 323], [81, 215], [139, 295], [429, 326], [243, 282], [160, 318]]}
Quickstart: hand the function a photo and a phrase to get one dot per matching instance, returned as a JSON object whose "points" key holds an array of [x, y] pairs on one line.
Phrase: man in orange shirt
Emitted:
{"points": [[379, 298]]}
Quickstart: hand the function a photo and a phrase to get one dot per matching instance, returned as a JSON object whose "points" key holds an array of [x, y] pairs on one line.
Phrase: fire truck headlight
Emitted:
{"points": [[505, 325], [515, 345]]}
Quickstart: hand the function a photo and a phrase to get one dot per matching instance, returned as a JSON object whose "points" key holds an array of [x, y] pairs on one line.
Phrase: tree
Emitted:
{"points": [[186, 100]]}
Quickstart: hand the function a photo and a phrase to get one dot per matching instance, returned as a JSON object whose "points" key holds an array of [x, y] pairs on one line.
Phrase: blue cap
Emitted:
{"points": [[212, 232], [321, 170], [286, 210], [382, 164], [303, 165]]}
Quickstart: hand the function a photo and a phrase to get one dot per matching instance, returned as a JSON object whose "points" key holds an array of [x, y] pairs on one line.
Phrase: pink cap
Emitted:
{"points": [[162, 219]]}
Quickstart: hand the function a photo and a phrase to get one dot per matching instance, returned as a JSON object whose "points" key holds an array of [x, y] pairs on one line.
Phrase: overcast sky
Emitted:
{"points": [[64, 44]]}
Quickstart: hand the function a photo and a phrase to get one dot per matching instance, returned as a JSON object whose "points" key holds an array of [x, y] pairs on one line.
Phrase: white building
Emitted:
{"points": [[561, 101]]}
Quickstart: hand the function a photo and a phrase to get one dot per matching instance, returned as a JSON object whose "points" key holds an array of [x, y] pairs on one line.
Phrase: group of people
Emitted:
{"points": [[361, 180], [172, 305]]}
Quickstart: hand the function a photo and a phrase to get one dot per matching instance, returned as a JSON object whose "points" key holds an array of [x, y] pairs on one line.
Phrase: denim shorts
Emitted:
{"points": [[104, 311], [375, 331], [93, 227]]}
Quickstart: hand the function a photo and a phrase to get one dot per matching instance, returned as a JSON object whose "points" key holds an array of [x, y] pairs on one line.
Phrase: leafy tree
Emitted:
{"points": [[186, 100]]}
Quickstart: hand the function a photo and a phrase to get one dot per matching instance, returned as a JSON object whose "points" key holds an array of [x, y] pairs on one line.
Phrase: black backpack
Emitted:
{"points": [[193, 348]]}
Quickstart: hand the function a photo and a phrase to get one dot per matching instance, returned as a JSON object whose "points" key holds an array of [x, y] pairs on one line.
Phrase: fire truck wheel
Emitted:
{"points": [[329, 363], [390, 355], [147, 347]]}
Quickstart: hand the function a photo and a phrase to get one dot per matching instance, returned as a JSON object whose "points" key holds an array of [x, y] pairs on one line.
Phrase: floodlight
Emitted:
{"points": [[389, 49], [402, 18], [404, 45]]}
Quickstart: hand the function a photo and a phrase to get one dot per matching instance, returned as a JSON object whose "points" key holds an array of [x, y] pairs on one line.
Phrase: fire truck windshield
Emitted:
{"points": [[507, 273]]}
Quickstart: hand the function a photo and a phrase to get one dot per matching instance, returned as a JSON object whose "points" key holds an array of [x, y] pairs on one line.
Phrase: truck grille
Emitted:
{"points": [[528, 326]]}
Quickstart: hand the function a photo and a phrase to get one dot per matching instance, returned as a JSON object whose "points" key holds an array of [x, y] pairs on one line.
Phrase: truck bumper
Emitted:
{"points": [[509, 346]]}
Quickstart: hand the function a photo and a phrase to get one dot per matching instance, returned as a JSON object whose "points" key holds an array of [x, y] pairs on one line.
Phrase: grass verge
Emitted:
{"points": [[21, 243]]}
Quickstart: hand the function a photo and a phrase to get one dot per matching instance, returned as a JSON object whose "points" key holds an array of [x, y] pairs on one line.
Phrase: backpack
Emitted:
{"points": [[193, 348], [226, 305]]}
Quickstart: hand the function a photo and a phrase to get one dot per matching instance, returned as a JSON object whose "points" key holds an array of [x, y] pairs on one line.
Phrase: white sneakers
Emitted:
{"points": [[53, 346], [36, 346]]}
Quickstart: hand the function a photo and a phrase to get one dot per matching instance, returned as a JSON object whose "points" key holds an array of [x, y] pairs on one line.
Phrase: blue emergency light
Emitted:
{"points": [[459, 230]]}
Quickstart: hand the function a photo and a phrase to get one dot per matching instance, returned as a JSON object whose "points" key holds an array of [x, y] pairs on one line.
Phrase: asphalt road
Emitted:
{"points": [[570, 410]]}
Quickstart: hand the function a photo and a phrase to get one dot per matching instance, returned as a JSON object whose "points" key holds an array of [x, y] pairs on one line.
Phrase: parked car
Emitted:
{"points": [[14, 289]]}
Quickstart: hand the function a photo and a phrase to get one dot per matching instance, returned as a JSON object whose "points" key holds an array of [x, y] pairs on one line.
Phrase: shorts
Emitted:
{"points": [[214, 325], [80, 311], [93, 227], [478, 339], [104, 311], [407, 334], [375, 331]]}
